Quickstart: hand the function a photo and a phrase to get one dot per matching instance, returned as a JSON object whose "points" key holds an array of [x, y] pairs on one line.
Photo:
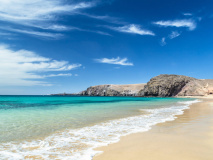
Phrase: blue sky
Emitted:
{"points": [[55, 46]]}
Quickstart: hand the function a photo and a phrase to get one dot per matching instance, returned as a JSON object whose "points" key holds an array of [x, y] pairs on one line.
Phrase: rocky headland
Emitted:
{"points": [[113, 90], [164, 85]]}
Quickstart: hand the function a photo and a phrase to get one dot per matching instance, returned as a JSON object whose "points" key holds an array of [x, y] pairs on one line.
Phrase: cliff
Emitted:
{"points": [[164, 85], [113, 90], [198, 87], [176, 85]]}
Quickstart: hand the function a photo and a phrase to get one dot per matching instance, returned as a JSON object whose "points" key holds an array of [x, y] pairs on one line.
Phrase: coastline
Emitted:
{"points": [[139, 115], [189, 136]]}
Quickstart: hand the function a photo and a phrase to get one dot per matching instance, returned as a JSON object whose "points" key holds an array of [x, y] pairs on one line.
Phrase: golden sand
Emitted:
{"points": [[189, 137]]}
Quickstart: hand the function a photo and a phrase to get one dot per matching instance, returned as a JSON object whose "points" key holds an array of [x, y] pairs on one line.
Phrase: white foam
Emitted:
{"points": [[190, 102], [79, 144]]}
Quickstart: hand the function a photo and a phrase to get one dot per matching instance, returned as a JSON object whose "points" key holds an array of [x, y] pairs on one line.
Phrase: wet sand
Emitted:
{"points": [[189, 137]]}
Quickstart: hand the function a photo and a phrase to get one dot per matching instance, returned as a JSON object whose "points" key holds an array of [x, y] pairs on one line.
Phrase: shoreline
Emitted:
{"points": [[189, 136], [88, 140]]}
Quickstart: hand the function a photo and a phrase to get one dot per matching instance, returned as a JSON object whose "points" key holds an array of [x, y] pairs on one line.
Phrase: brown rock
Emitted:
{"points": [[113, 90], [165, 85]]}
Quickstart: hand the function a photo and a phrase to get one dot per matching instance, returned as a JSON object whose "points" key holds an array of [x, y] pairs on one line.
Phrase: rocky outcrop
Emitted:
{"points": [[165, 85], [198, 87], [113, 90]]}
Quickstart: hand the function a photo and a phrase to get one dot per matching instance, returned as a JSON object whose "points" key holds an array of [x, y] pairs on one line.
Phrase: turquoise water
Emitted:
{"points": [[30, 120]]}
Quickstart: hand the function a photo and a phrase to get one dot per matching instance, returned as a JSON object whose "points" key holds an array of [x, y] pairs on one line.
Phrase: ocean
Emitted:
{"points": [[71, 127]]}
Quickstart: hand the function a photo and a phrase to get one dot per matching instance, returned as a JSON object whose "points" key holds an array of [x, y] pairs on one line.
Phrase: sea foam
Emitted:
{"points": [[79, 144]]}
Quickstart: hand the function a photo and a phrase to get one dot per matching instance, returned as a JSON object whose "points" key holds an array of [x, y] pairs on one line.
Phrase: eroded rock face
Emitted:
{"points": [[113, 90], [165, 85], [102, 90], [197, 87]]}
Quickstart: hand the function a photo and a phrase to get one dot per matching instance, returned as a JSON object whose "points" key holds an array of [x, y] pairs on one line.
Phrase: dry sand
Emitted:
{"points": [[189, 137]]}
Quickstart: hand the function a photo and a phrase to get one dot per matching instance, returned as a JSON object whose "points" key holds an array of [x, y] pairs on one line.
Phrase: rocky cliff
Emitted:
{"points": [[198, 87], [163, 85], [113, 90], [166, 85]]}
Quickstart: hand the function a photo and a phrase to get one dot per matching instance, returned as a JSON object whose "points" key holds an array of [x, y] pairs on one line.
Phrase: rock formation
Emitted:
{"points": [[199, 87], [166, 85], [163, 85], [113, 90]]}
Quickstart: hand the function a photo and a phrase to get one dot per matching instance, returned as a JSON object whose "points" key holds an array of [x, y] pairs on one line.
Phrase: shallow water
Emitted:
{"points": [[49, 127]]}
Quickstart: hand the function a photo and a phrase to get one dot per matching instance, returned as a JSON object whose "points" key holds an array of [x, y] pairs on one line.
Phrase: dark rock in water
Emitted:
{"points": [[165, 85]]}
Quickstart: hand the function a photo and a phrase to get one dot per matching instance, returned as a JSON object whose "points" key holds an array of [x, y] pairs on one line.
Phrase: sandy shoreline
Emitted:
{"points": [[189, 137]]}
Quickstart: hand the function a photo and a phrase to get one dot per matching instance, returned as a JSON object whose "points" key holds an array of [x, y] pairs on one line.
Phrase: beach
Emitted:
{"points": [[55, 127], [188, 137], [106, 80]]}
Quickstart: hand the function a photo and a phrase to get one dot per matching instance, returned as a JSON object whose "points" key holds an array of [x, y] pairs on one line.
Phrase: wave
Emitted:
{"points": [[79, 144]]}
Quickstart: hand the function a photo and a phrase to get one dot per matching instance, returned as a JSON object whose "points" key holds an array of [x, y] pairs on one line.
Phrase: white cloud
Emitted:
{"points": [[98, 32], [5, 34], [117, 61], [34, 33], [133, 29], [163, 41], [58, 75], [174, 34], [26, 68], [105, 18], [56, 27], [187, 14], [189, 23], [21, 11], [41, 14]]}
